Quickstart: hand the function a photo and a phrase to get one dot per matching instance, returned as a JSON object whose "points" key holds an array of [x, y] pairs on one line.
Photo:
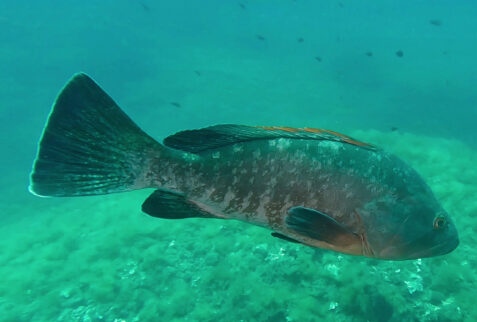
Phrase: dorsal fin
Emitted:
{"points": [[213, 137]]}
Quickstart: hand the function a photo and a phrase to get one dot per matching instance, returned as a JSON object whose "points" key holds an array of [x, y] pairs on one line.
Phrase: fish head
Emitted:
{"points": [[434, 234], [410, 227]]}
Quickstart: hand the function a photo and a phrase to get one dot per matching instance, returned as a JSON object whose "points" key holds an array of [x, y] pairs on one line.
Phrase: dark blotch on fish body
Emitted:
{"points": [[399, 53]]}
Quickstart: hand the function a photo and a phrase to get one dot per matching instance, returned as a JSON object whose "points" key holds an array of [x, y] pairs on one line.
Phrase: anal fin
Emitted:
{"points": [[171, 205]]}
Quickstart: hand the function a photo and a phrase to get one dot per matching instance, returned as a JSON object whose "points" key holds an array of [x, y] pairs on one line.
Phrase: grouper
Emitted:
{"points": [[309, 186]]}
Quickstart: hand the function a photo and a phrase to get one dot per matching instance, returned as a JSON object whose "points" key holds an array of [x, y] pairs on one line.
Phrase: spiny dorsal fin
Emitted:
{"points": [[213, 137]]}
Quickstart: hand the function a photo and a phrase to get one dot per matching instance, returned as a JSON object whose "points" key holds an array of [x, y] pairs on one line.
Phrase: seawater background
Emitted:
{"points": [[100, 258]]}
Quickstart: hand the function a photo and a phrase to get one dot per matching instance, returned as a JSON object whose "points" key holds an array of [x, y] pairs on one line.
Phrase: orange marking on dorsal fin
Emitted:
{"points": [[311, 130], [357, 142], [336, 133], [288, 129], [339, 136], [265, 127], [307, 129], [280, 128]]}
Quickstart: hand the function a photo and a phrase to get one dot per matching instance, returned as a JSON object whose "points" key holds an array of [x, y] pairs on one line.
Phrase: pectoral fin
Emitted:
{"points": [[317, 225], [171, 205]]}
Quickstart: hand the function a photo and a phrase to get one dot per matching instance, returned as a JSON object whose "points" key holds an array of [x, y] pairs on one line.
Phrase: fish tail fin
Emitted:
{"points": [[89, 146]]}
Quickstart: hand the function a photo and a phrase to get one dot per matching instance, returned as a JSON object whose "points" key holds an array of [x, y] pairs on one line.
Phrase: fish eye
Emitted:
{"points": [[439, 222]]}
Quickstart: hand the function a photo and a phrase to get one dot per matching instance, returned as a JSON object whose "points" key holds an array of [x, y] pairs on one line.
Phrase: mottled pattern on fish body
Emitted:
{"points": [[258, 181]]}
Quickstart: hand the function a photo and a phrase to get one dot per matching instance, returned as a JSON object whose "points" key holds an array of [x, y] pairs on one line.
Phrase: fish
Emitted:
{"points": [[145, 6], [399, 53], [309, 186]]}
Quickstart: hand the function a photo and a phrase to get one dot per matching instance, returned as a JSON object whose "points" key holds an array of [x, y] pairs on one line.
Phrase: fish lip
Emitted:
{"points": [[438, 250]]}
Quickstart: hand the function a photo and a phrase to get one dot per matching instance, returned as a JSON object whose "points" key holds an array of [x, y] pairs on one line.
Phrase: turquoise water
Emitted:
{"points": [[400, 75]]}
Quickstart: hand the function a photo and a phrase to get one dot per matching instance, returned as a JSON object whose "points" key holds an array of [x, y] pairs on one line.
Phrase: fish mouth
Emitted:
{"points": [[400, 253], [438, 250]]}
